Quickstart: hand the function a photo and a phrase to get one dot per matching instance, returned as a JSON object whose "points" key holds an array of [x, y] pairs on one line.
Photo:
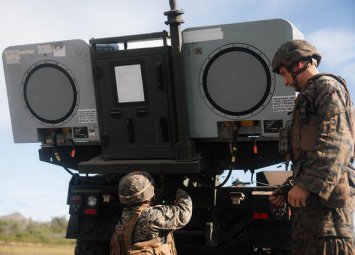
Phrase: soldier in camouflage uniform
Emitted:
{"points": [[321, 149], [136, 189]]}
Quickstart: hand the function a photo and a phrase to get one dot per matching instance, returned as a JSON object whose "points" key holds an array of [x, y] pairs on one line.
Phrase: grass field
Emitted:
{"points": [[36, 249]]}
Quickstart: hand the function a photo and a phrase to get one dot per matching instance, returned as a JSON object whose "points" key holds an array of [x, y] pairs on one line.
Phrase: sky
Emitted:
{"points": [[38, 190]]}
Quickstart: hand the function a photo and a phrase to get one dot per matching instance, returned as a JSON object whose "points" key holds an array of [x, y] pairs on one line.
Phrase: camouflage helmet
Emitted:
{"points": [[293, 51], [136, 187]]}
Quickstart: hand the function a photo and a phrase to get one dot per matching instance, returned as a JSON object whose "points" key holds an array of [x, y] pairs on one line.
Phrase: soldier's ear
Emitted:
{"points": [[314, 62], [300, 64], [296, 66]]}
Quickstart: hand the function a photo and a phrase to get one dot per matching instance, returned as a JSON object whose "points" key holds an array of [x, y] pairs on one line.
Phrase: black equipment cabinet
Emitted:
{"points": [[135, 97]]}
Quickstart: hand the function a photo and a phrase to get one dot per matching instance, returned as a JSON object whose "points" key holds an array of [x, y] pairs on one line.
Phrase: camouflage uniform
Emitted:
{"points": [[159, 220], [317, 229]]}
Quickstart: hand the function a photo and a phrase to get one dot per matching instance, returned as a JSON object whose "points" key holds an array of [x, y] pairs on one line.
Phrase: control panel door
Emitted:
{"points": [[133, 103]]}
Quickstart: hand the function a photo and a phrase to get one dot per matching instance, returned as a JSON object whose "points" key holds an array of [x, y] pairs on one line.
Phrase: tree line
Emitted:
{"points": [[29, 231]]}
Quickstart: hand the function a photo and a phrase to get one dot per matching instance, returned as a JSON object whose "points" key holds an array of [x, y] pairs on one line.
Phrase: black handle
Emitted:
{"points": [[130, 129], [115, 112], [159, 72], [141, 112]]}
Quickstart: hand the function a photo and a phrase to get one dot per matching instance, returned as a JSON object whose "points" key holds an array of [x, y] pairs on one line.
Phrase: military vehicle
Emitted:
{"points": [[186, 107]]}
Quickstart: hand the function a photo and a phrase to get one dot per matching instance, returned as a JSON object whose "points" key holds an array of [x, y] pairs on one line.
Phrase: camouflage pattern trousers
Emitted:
{"points": [[318, 230], [323, 246]]}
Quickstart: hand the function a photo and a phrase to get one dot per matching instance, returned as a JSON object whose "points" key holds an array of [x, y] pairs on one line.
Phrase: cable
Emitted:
{"points": [[67, 169], [226, 179]]}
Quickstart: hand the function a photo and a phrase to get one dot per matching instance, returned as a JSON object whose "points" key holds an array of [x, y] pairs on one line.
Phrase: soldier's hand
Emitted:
{"points": [[297, 196], [277, 199]]}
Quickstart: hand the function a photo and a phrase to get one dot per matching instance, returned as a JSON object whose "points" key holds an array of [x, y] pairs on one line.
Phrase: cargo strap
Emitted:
{"points": [[154, 247], [122, 237], [121, 241]]}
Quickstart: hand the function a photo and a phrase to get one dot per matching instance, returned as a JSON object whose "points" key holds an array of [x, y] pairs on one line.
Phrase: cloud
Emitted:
{"points": [[337, 47], [26, 200], [36, 193], [4, 108]]}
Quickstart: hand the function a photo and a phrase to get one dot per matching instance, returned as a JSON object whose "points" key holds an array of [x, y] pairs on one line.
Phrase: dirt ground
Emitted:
{"points": [[35, 249]]}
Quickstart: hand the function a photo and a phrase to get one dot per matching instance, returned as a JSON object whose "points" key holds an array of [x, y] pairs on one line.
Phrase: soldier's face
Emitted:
{"points": [[288, 80], [286, 77]]}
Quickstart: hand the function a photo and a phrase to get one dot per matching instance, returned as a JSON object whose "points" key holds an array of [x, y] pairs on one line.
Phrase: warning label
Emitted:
{"points": [[14, 56], [283, 103], [87, 116]]}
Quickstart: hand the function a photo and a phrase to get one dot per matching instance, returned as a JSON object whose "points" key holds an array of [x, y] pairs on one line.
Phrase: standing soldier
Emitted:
{"points": [[145, 229], [321, 150]]}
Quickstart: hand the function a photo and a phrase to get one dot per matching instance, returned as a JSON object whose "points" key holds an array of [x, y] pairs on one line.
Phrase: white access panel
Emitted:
{"points": [[229, 76], [50, 85]]}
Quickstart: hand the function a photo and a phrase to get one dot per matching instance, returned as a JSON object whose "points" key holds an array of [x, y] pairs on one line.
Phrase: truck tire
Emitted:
{"points": [[85, 247]]}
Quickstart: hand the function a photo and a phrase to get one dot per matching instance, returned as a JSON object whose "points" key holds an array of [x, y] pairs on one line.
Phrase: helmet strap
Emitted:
{"points": [[302, 69], [295, 73]]}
